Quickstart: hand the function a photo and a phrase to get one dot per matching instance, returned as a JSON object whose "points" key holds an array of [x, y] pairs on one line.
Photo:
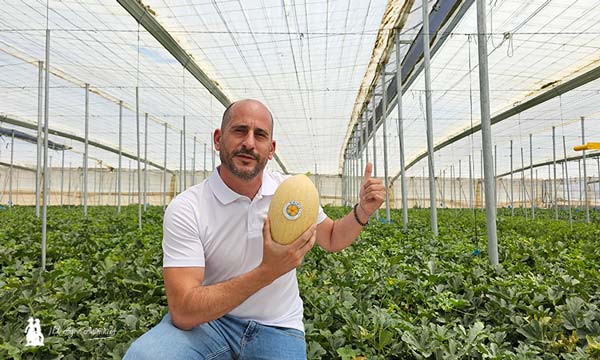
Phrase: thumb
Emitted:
{"points": [[368, 170], [267, 231]]}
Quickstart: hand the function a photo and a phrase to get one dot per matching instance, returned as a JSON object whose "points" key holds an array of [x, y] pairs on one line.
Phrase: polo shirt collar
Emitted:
{"points": [[227, 196]]}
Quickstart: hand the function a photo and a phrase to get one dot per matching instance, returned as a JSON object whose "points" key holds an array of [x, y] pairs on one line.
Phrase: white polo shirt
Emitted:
{"points": [[211, 226]]}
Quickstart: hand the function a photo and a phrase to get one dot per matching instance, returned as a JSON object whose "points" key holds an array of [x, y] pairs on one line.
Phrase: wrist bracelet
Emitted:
{"points": [[357, 219]]}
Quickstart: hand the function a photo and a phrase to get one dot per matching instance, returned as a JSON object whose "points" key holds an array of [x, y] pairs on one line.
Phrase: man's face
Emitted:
{"points": [[245, 143]]}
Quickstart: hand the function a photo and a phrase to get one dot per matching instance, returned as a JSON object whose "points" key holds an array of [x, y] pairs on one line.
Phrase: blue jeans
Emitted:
{"points": [[225, 338]]}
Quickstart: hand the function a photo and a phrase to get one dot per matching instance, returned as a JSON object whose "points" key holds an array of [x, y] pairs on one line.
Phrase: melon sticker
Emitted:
{"points": [[292, 210]]}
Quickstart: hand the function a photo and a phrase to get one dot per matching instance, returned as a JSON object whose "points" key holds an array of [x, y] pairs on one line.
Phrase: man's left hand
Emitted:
{"points": [[372, 193]]}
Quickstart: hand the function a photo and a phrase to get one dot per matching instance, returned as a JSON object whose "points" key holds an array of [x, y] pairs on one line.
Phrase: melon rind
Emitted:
{"points": [[297, 189]]}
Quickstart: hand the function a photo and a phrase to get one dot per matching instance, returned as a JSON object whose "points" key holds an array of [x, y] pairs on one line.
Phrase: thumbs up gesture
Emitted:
{"points": [[372, 192]]}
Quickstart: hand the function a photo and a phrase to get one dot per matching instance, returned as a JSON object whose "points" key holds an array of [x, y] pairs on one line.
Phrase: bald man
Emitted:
{"points": [[232, 292]]}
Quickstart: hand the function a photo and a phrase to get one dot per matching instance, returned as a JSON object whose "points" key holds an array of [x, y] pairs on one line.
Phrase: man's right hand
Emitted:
{"points": [[279, 259]]}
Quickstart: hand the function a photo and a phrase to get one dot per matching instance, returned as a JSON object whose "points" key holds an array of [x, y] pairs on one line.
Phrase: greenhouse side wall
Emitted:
{"points": [[66, 189]]}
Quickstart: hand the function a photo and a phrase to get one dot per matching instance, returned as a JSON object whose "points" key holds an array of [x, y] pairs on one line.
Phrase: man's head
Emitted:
{"points": [[245, 139]]}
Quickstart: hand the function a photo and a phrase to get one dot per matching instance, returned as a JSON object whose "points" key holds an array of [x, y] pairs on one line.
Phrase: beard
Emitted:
{"points": [[227, 161]]}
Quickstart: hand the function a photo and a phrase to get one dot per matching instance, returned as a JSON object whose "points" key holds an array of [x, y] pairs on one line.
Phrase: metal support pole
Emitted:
{"points": [[181, 171], [349, 184], [554, 165], [62, 176], [429, 116], [366, 134], [344, 182], [139, 166], [164, 194], [524, 191], [212, 151], [350, 194], [205, 170], [374, 121], [452, 186], [100, 187], [471, 205], [145, 161], [357, 174], [481, 178], [38, 168], [350, 181], [194, 164], [385, 154], [443, 188], [531, 192], [45, 183], [579, 181], [512, 193], [460, 181], [184, 172], [10, 173], [120, 156], [567, 182], [362, 166], [69, 184], [401, 132], [585, 192], [86, 148]]}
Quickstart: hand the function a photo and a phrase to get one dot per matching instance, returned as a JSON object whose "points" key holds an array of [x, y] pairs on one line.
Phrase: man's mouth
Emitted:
{"points": [[246, 156]]}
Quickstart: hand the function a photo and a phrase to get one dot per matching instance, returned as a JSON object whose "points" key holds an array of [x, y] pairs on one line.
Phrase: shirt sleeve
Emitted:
{"points": [[321, 216], [182, 245]]}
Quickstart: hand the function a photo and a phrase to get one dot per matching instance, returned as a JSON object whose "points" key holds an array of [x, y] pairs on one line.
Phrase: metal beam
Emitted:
{"points": [[145, 18], [550, 162], [18, 167], [143, 15], [548, 95], [67, 135], [443, 19]]}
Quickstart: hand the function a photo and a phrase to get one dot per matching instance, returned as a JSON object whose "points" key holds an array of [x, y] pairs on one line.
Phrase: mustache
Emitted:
{"points": [[246, 152]]}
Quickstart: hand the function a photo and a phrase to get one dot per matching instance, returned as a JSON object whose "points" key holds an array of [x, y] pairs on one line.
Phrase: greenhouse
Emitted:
{"points": [[481, 120]]}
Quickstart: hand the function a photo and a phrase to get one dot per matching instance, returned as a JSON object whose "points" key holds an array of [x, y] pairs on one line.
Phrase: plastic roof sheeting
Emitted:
{"points": [[307, 61], [531, 50], [303, 60]]}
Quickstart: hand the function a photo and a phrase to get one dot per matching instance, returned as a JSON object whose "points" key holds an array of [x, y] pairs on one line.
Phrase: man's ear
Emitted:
{"points": [[273, 147], [217, 139]]}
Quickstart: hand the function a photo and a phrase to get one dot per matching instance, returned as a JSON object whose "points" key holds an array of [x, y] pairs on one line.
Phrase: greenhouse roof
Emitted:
{"points": [[316, 64]]}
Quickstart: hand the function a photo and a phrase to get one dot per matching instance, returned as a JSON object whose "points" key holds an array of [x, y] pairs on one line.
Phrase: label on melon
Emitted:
{"points": [[294, 208]]}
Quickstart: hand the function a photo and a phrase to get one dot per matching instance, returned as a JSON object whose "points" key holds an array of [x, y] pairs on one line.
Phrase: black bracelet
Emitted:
{"points": [[357, 219]]}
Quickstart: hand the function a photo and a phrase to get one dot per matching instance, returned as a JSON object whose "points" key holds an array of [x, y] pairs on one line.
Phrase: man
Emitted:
{"points": [[232, 292]]}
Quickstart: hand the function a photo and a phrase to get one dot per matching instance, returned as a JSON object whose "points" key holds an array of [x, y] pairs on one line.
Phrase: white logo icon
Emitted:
{"points": [[292, 210], [34, 333]]}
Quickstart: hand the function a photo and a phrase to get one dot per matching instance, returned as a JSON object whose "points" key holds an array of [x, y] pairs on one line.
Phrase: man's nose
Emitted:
{"points": [[249, 141]]}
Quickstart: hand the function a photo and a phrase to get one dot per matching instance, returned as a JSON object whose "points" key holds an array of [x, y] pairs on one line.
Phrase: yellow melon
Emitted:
{"points": [[294, 208]]}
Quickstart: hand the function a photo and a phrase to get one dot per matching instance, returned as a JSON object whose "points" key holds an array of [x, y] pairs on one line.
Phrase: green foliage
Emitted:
{"points": [[391, 295], [410, 295], [103, 285]]}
